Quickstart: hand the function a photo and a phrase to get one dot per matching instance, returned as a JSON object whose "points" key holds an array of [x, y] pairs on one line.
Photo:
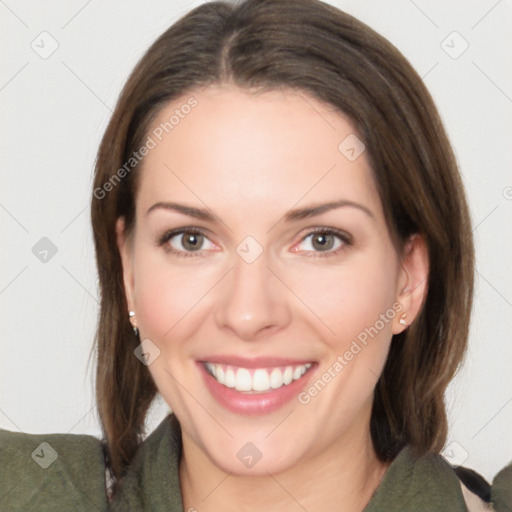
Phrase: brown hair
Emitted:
{"points": [[312, 47]]}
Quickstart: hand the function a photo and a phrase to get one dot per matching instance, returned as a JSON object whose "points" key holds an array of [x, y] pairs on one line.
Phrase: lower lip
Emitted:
{"points": [[257, 403]]}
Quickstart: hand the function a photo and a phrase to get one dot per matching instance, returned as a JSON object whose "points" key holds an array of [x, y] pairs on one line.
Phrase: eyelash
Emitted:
{"points": [[168, 235]]}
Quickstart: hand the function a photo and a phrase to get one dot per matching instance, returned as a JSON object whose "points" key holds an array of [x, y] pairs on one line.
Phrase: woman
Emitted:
{"points": [[285, 256]]}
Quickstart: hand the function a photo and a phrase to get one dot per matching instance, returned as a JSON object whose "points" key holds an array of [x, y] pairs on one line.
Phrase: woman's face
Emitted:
{"points": [[261, 254]]}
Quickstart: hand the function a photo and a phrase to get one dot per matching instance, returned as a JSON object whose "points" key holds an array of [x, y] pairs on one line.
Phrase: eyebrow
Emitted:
{"points": [[312, 211], [292, 215], [191, 211]]}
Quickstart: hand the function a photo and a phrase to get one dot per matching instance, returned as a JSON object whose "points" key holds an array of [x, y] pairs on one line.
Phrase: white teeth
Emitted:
{"points": [[276, 378], [219, 375], [243, 381], [288, 375], [259, 380], [230, 378]]}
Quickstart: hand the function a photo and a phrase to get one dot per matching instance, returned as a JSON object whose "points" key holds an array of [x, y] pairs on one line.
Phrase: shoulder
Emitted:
{"points": [[480, 495], [501, 492], [152, 481], [431, 483], [51, 472]]}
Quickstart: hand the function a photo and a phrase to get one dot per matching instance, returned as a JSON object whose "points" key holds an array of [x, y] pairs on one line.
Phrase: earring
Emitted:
{"points": [[402, 319], [134, 325]]}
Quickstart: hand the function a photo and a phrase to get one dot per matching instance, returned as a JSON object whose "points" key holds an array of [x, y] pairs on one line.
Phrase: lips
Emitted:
{"points": [[254, 386]]}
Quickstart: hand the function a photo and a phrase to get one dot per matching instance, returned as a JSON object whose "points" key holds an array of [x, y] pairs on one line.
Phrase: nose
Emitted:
{"points": [[253, 303]]}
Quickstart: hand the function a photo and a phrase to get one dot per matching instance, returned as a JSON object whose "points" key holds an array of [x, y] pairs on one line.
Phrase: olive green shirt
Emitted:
{"points": [[66, 472]]}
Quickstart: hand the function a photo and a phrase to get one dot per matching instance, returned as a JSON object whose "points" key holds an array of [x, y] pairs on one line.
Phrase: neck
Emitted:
{"points": [[341, 478]]}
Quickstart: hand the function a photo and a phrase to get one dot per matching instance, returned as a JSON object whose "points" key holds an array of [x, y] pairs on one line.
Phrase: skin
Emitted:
{"points": [[249, 159]]}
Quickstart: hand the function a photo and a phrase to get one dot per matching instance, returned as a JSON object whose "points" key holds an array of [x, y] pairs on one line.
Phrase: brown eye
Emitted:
{"points": [[323, 241], [185, 242], [191, 241]]}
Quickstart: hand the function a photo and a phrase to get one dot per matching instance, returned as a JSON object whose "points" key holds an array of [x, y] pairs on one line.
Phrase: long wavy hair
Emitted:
{"points": [[312, 47]]}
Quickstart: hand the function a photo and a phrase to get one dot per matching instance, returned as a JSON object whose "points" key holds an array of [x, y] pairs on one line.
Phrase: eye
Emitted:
{"points": [[185, 241], [323, 240]]}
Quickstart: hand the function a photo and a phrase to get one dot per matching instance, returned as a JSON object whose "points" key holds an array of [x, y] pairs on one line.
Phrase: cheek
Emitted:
{"points": [[350, 299], [168, 296]]}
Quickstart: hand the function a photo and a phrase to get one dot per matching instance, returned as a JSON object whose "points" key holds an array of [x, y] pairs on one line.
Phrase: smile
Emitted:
{"points": [[255, 386], [256, 380]]}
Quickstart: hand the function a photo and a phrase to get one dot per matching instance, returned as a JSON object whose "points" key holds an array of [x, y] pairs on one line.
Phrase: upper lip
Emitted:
{"points": [[254, 362]]}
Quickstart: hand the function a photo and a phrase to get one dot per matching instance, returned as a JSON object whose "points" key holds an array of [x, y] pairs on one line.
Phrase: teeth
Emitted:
{"points": [[230, 378], [288, 375], [276, 378], [259, 380], [243, 381]]}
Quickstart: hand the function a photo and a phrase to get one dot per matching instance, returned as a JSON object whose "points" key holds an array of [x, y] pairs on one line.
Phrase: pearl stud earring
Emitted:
{"points": [[134, 325]]}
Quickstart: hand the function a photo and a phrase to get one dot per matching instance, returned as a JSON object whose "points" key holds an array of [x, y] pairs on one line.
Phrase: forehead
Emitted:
{"points": [[233, 149]]}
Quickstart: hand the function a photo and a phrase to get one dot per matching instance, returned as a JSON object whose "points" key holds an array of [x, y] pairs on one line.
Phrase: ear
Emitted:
{"points": [[412, 282], [125, 246]]}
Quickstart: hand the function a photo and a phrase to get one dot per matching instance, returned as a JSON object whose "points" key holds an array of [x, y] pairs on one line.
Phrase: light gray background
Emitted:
{"points": [[54, 111]]}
